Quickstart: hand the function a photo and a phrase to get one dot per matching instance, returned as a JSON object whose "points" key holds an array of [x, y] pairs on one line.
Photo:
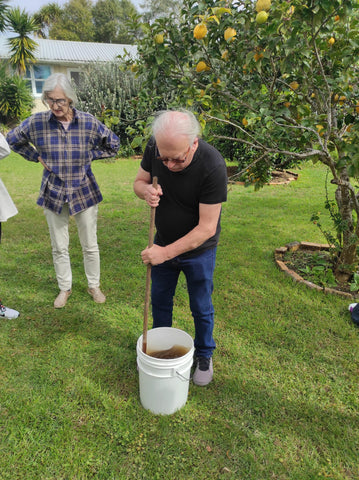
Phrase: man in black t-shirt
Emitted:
{"points": [[192, 184]]}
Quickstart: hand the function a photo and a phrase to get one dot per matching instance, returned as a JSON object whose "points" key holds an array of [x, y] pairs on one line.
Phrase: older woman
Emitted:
{"points": [[65, 141]]}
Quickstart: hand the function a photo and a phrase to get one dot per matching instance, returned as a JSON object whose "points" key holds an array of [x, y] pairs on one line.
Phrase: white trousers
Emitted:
{"points": [[7, 207], [86, 222]]}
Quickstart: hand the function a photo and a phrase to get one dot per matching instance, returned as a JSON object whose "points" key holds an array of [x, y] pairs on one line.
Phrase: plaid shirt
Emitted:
{"points": [[68, 154]]}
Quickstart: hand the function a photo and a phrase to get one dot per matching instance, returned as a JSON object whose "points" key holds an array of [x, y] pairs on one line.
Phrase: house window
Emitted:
{"points": [[75, 75], [36, 75]]}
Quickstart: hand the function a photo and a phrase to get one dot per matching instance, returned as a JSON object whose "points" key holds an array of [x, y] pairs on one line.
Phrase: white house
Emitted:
{"points": [[67, 57]]}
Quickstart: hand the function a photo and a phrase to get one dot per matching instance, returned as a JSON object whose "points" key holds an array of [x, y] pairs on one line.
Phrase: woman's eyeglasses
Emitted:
{"points": [[59, 101], [178, 161]]}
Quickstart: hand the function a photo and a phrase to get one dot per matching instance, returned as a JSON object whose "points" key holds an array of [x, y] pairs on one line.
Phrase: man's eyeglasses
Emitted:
{"points": [[178, 161], [59, 101]]}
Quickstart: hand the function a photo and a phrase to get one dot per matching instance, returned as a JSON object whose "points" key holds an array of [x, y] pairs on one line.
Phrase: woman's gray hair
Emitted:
{"points": [[178, 122], [58, 80]]}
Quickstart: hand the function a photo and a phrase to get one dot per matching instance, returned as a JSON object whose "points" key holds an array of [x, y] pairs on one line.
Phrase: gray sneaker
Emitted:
{"points": [[203, 373]]}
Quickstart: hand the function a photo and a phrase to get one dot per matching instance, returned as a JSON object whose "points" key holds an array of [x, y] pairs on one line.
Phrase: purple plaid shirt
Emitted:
{"points": [[68, 153]]}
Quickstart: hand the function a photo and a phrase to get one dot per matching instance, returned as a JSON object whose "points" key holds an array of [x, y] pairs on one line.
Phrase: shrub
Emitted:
{"points": [[16, 100], [119, 100]]}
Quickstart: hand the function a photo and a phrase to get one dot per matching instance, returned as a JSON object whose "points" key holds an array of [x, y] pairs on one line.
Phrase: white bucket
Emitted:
{"points": [[164, 382]]}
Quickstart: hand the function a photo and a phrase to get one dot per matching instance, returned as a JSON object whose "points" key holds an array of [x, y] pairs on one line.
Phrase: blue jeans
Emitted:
{"points": [[198, 271]]}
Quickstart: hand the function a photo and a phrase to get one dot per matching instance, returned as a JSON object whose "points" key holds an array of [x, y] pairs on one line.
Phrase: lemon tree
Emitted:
{"points": [[284, 75]]}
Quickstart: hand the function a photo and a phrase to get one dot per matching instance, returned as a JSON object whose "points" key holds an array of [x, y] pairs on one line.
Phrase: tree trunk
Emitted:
{"points": [[348, 255]]}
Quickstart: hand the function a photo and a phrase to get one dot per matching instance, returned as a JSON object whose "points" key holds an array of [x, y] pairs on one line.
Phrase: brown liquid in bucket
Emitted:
{"points": [[174, 352]]}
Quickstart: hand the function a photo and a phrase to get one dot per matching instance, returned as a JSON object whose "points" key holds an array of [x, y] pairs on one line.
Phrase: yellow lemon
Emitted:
{"points": [[336, 18], [202, 66], [320, 129], [261, 17], [159, 38], [331, 41], [200, 31], [290, 10], [229, 34], [244, 122], [224, 55], [263, 5], [294, 85]]}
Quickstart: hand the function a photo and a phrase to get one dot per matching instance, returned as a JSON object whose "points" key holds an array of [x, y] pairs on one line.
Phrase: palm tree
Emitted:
{"points": [[3, 9], [22, 47], [46, 17]]}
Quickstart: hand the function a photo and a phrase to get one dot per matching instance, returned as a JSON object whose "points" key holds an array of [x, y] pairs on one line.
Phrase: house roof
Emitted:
{"points": [[66, 52]]}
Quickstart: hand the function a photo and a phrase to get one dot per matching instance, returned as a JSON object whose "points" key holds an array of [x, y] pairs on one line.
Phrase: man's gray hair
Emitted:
{"points": [[58, 80], [178, 122]]}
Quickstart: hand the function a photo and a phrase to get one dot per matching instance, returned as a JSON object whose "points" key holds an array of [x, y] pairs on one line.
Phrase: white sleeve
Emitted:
{"points": [[4, 147]]}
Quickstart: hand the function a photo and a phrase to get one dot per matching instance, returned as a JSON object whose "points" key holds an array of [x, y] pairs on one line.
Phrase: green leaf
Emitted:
{"points": [[137, 142]]}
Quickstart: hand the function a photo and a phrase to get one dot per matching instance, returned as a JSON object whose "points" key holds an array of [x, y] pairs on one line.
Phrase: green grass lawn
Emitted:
{"points": [[284, 401]]}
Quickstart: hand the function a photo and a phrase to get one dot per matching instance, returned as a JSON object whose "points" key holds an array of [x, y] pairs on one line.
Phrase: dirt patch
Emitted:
{"points": [[280, 177]]}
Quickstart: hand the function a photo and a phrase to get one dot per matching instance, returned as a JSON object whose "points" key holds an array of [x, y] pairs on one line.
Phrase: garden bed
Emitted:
{"points": [[309, 263], [279, 177]]}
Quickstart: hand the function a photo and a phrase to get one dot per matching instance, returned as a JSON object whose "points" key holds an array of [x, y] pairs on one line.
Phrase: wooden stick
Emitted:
{"points": [[148, 274]]}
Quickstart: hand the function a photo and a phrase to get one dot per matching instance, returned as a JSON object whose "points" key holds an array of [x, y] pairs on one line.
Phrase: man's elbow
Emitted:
{"points": [[209, 231], [134, 186]]}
